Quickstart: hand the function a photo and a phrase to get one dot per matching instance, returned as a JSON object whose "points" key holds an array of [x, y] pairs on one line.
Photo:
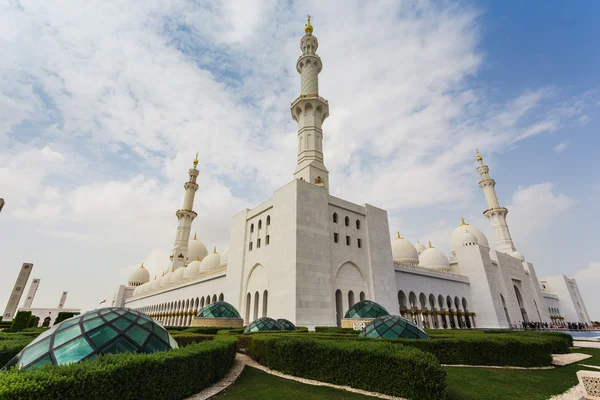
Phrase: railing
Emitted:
{"points": [[416, 268]]}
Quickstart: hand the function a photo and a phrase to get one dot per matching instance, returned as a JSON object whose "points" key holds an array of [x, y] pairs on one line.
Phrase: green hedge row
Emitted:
{"points": [[185, 339], [369, 365], [173, 374], [335, 329], [10, 348], [21, 321]]}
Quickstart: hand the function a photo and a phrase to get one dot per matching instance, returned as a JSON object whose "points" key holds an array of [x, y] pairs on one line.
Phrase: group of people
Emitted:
{"points": [[572, 326]]}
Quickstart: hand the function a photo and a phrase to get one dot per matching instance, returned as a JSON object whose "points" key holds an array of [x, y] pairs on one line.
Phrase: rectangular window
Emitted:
{"points": [[250, 248], [258, 243], [348, 240], [359, 242], [18, 288], [267, 239], [336, 237]]}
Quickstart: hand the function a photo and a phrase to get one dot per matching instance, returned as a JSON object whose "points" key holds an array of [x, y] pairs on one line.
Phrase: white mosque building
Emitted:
{"points": [[307, 256]]}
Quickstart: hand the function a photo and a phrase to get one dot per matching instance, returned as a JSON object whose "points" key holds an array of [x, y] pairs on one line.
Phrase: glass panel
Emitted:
{"points": [[90, 315], [73, 351], [69, 322], [66, 335], [173, 343], [33, 352], [105, 311], [154, 344], [89, 325], [44, 335], [111, 316], [102, 335], [161, 333], [40, 362], [119, 346], [122, 323], [131, 316], [145, 323], [137, 334], [119, 311], [145, 316]]}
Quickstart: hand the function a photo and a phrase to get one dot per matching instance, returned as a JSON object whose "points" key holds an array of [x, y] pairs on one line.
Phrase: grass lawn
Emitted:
{"points": [[498, 384], [256, 384]]}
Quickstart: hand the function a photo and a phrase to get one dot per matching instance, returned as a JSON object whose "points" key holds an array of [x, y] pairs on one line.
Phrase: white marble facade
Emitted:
{"points": [[307, 256]]}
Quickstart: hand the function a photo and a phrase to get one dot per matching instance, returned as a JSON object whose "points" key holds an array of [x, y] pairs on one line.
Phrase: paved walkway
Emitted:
{"points": [[586, 343], [232, 375]]}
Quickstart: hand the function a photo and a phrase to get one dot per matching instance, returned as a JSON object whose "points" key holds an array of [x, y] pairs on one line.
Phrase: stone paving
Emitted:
{"points": [[575, 393], [566, 359], [586, 343], [230, 378]]}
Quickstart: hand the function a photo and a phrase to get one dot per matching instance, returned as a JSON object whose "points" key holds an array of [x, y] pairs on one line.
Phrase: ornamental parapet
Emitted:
{"points": [[495, 210], [182, 211], [309, 96], [410, 268]]}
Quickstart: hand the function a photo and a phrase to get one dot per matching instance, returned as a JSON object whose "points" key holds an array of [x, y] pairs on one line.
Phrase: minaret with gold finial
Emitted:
{"points": [[309, 110], [185, 217], [495, 213]]}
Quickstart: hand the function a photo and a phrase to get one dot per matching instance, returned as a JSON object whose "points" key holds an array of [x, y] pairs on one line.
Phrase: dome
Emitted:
{"points": [[468, 239], [264, 324], [393, 327], [518, 255], [166, 279], [145, 287], [177, 275], [404, 251], [155, 282], [136, 291], [224, 257], [104, 331], [420, 247], [433, 258], [139, 275], [211, 261], [456, 240], [219, 309], [196, 250], [366, 309], [287, 325], [192, 270]]}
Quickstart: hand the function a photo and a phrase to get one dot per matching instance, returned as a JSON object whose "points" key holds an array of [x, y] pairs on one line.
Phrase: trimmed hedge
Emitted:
{"points": [[369, 365], [63, 315], [335, 329], [10, 348], [185, 339], [173, 374], [21, 321]]}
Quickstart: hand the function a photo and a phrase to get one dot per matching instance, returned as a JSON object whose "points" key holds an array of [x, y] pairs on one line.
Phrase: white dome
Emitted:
{"points": [[139, 275], [211, 261], [192, 270], [136, 291], [456, 240], [177, 276], [166, 279], [155, 284], [468, 239], [434, 259], [518, 255], [420, 247], [404, 251], [224, 257], [196, 250]]}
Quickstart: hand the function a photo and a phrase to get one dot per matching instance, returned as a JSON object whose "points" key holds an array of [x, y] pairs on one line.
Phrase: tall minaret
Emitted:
{"points": [[309, 111], [185, 216], [495, 213]]}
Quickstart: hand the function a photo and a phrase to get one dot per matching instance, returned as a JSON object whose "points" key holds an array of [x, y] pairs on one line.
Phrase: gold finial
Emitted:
{"points": [[154, 277], [195, 235], [463, 222], [399, 237], [215, 250], [430, 246], [308, 29], [196, 160], [198, 257], [142, 266], [173, 269], [479, 158]]}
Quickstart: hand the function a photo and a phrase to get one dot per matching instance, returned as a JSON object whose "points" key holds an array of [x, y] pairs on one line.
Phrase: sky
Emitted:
{"points": [[103, 105]]}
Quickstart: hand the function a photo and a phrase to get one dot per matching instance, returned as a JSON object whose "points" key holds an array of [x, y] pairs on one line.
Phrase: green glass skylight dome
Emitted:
{"points": [[393, 327], [103, 331], [287, 325], [264, 324], [220, 309], [366, 309]]}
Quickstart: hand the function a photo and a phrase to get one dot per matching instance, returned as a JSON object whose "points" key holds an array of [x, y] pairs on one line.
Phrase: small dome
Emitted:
{"points": [[155, 282], [224, 257], [177, 275], [136, 291], [196, 250], [469, 239], [166, 279], [287, 325], [99, 332], [192, 270], [456, 240], [211, 261], [366, 309], [420, 247], [145, 288], [138, 275], [393, 327], [404, 251], [219, 309], [518, 255], [433, 258], [264, 324]]}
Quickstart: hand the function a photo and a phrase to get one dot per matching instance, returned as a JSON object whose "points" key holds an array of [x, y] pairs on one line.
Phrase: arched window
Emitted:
{"points": [[268, 220], [248, 302], [347, 221], [252, 228], [362, 296], [214, 299], [221, 297], [350, 299], [335, 218], [357, 224], [260, 224], [256, 300], [265, 303], [339, 307]]}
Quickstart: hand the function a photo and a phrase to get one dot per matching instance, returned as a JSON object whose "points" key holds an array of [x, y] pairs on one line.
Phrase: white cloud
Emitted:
{"points": [[559, 148], [588, 280]]}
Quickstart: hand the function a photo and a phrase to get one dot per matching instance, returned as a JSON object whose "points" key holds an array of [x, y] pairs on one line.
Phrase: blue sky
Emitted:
{"points": [[104, 104]]}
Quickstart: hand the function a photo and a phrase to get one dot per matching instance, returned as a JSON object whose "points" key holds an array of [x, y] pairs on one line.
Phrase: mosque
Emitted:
{"points": [[308, 256]]}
